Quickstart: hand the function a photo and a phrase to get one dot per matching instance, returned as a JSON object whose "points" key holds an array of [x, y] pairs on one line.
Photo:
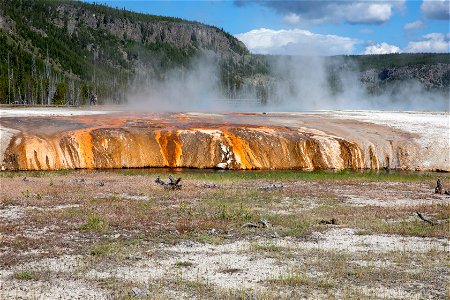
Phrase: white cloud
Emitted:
{"points": [[296, 42], [413, 25], [430, 43], [352, 12], [436, 9], [382, 48], [367, 13], [292, 18]]}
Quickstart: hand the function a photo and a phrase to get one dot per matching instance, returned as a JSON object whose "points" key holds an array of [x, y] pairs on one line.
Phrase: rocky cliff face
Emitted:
{"points": [[148, 30], [431, 76]]}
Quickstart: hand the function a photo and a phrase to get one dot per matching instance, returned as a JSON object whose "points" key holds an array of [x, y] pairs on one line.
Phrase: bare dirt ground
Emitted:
{"points": [[119, 235]]}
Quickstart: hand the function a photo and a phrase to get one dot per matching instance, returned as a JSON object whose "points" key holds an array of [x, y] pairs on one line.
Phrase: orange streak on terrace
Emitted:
{"points": [[170, 146], [85, 145], [240, 150]]}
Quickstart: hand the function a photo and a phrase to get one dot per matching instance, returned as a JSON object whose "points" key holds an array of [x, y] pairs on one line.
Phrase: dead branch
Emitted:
{"points": [[250, 224], [173, 183], [430, 220], [263, 223], [426, 219], [439, 188], [329, 222]]}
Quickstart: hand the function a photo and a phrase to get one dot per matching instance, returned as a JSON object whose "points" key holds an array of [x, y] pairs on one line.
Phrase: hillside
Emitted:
{"points": [[61, 52]]}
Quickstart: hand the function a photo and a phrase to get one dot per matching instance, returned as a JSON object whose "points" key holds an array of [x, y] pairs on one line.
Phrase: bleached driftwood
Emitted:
{"points": [[173, 183], [430, 220]]}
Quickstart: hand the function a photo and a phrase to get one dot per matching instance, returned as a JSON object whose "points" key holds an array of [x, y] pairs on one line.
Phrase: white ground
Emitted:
{"points": [[50, 111], [432, 128], [226, 266]]}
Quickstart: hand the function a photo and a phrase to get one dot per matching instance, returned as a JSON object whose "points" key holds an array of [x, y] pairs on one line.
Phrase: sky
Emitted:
{"points": [[317, 27]]}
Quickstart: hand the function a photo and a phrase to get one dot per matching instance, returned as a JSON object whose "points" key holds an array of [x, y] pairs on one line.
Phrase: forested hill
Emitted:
{"points": [[58, 52], [61, 52]]}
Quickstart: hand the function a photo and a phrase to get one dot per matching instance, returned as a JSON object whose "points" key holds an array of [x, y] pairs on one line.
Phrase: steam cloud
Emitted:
{"points": [[295, 84]]}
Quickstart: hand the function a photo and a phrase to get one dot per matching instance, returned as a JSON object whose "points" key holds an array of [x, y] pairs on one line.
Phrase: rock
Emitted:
{"points": [[139, 293], [209, 186], [275, 186], [135, 292], [264, 223]]}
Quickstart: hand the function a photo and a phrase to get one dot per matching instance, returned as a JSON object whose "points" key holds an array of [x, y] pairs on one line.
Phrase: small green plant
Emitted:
{"points": [[115, 196], [94, 223], [247, 216], [107, 249], [362, 232], [183, 263], [224, 212], [291, 278], [26, 193], [39, 196], [24, 275], [182, 205], [210, 239]]}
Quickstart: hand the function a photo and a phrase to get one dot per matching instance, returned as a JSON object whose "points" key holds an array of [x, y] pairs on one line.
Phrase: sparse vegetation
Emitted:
{"points": [[24, 275], [183, 263], [94, 223], [192, 241]]}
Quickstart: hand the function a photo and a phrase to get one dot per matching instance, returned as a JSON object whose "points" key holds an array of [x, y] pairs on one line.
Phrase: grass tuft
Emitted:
{"points": [[94, 223], [25, 275]]}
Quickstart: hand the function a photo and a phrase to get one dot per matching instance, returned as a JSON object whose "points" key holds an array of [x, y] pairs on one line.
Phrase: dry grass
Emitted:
{"points": [[130, 219]]}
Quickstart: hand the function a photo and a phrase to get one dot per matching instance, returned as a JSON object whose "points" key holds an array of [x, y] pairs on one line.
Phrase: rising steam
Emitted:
{"points": [[293, 84]]}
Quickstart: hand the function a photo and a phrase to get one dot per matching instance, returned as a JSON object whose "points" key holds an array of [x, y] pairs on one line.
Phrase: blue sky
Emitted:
{"points": [[317, 27]]}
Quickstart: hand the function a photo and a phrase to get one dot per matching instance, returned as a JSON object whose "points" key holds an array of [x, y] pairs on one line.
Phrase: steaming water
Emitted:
{"points": [[294, 84]]}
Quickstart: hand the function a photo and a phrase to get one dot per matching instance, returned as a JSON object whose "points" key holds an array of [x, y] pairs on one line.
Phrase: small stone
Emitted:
{"points": [[136, 292], [264, 223]]}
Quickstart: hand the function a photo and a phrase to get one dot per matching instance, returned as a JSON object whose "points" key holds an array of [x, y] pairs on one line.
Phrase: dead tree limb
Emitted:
{"points": [[439, 188], [173, 183], [426, 219], [263, 223], [431, 221], [250, 224]]}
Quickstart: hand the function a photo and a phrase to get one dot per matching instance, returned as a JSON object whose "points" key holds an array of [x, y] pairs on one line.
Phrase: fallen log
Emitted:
{"points": [[173, 183]]}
